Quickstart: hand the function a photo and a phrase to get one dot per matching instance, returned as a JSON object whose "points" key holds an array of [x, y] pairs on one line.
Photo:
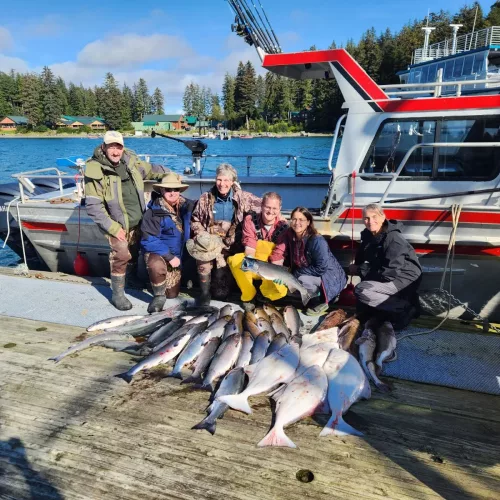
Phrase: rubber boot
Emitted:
{"points": [[156, 305], [204, 298], [118, 298]]}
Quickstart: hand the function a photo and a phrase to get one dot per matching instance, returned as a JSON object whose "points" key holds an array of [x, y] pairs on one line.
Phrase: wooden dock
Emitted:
{"points": [[73, 431]]}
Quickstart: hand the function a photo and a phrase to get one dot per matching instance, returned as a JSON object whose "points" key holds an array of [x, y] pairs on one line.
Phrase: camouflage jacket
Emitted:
{"points": [[103, 188], [203, 214]]}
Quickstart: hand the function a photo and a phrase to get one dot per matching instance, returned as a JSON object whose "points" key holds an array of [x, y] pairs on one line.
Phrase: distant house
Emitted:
{"points": [[178, 121], [93, 122], [12, 122], [191, 121]]}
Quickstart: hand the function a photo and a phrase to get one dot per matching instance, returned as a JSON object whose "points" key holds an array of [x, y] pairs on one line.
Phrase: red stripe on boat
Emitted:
{"points": [[429, 215], [329, 56], [44, 226]]}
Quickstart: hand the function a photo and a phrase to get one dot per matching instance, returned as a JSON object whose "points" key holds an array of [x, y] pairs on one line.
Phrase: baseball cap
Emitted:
{"points": [[112, 136]]}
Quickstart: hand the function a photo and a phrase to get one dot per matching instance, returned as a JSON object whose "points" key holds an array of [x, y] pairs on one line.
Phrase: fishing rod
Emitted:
{"points": [[264, 26], [196, 146], [242, 27], [270, 27], [269, 47]]}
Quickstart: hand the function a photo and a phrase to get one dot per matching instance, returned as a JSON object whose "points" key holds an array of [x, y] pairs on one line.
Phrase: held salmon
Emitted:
{"points": [[301, 398], [232, 384], [278, 368], [274, 272], [367, 343], [92, 341], [346, 385]]}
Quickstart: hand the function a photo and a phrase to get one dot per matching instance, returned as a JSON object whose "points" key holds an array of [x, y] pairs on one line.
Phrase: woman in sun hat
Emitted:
{"points": [[165, 227]]}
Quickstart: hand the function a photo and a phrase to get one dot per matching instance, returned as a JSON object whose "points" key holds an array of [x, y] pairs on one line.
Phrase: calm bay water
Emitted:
{"points": [[18, 155]]}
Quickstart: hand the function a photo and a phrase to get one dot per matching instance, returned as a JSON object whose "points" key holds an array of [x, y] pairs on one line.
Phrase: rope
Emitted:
{"points": [[21, 233], [8, 220], [456, 210]]}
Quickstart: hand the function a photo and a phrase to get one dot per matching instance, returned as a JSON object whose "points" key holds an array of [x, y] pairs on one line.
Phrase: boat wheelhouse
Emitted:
{"points": [[472, 58]]}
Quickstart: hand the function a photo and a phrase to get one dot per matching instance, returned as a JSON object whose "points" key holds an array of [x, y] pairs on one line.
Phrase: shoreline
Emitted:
{"points": [[84, 136]]}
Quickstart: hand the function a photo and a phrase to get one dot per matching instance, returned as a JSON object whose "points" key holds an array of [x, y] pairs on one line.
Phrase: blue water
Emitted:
{"points": [[18, 155]]}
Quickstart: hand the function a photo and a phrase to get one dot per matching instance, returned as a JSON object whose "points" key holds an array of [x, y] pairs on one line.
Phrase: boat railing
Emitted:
{"points": [[197, 161], [434, 87], [393, 176], [486, 37], [25, 182]]}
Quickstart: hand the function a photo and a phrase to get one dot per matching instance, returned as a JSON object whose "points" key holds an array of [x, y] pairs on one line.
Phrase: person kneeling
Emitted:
{"points": [[389, 269], [260, 234], [165, 228], [311, 260]]}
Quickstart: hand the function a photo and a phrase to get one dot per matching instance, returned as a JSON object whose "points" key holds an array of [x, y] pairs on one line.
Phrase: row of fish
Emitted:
{"points": [[224, 348]]}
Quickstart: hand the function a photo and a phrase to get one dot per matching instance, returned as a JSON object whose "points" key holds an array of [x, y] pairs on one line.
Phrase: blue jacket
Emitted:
{"points": [[160, 235], [323, 264]]}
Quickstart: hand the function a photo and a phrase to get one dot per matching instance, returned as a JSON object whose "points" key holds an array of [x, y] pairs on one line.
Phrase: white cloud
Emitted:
{"points": [[130, 49], [7, 63], [51, 25], [6, 41]]}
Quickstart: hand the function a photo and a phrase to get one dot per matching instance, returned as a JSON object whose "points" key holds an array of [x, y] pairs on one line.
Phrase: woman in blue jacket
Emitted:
{"points": [[165, 229], [311, 260]]}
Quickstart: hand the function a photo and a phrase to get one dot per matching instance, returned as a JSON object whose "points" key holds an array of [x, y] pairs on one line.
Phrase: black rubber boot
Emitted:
{"points": [[204, 298], [159, 299], [118, 298]]}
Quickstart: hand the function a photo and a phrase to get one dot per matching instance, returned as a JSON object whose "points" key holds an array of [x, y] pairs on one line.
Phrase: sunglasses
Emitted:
{"points": [[170, 190]]}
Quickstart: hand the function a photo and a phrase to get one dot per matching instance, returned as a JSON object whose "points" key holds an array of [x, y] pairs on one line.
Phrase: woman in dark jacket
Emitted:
{"points": [[165, 229], [310, 259], [389, 269]]}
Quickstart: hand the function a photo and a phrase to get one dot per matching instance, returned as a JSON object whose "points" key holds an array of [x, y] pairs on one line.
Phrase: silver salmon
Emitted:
{"points": [[246, 350], [112, 323], [201, 365], [232, 384], [386, 344], [92, 341], [278, 342], [292, 320], [272, 272], [260, 347]]}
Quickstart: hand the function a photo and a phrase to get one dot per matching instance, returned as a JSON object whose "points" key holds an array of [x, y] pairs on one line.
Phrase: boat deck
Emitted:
{"points": [[74, 431]]}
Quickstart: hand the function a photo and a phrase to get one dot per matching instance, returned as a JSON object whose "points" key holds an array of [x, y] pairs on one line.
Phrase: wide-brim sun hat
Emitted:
{"points": [[204, 247], [172, 181]]}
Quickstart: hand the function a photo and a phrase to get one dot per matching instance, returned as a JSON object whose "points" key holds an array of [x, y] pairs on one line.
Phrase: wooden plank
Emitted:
{"points": [[82, 433]]}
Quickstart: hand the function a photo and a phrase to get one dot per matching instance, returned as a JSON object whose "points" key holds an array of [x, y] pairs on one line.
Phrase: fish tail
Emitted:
{"points": [[175, 375], [192, 380], [125, 376], [55, 359], [338, 427], [207, 387], [207, 425], [236, 402], [381, 386], [306, 296], [277, 437]]}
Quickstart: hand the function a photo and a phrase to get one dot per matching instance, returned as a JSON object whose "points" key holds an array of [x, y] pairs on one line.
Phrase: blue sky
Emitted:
{"points": [[172, 43]]}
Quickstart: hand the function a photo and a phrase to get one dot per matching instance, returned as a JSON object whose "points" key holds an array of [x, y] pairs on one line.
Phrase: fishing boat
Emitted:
{"points": [[431, 161]]}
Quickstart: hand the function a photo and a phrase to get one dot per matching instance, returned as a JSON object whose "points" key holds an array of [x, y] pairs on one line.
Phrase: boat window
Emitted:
{"points": [[394, 140], [468, 62], [448, 70], [425, 75], [459, 65], [462, 163], [478, 63], [432, 73]]}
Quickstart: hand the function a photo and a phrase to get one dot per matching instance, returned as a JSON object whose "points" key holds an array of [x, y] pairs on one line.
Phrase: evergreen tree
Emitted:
{"points": [[239, 90], [142, 100], [31, 99], [206, 101], [126, 112], [158, 102], [51, 105], [369, 55], [466, 16], [216, 108], [62, 96], [245, 94], [76, 100], [112, 102], [493, 18], [90, 102], [187, 99], [260, 94], [228, 98], [5, 83]]}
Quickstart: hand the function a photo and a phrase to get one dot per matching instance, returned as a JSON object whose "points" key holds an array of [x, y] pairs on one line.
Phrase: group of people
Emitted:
{"points": [[228, 224]]}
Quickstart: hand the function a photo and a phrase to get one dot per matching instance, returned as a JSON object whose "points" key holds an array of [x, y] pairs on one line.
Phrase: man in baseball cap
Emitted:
{"points": [[114, 198]]}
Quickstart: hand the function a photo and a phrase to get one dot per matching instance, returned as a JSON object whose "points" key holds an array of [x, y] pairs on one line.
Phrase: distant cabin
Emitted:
{"points": [[10, 123], [95, 123]]}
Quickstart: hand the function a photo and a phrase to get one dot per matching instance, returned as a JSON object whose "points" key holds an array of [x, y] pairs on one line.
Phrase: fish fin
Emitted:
{"points": [[125, 376], [249, 369], [208, 426], [175, 375], [236, 402], [277, 437], [55, 359], [339, 427], [276, 393], [192, 380], [207, 387]]}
